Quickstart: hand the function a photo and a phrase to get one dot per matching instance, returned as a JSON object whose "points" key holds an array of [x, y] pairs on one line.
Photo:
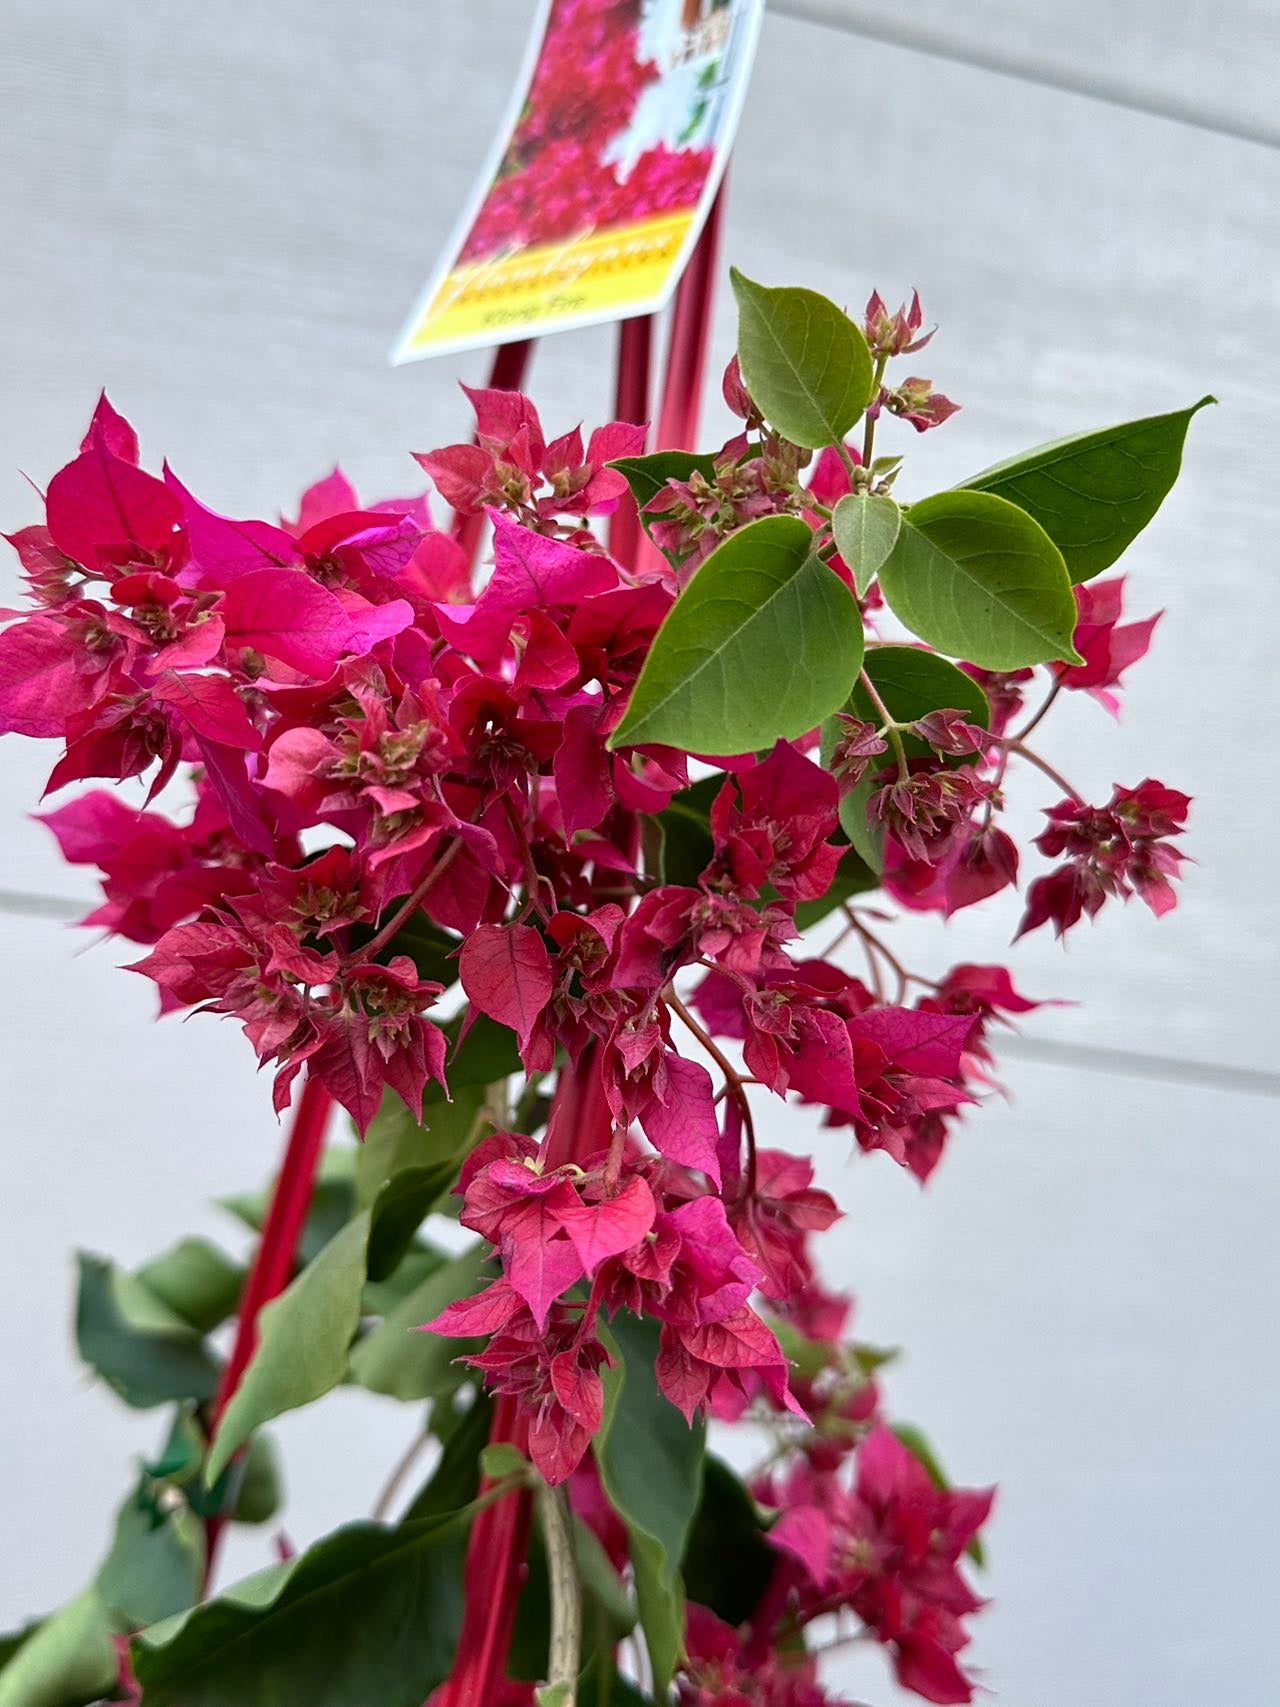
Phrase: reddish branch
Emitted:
{"points": [[579, 1125]]}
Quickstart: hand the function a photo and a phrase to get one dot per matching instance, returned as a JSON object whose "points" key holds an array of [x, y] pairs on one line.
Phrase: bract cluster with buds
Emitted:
{"points": [[551, 877]]}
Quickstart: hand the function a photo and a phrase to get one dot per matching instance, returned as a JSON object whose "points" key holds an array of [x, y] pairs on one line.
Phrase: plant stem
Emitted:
{"points": [[887, 719], [734, 1082], [565, 1651], [1026, 729], [873, 943], [869, 431], [491, 1582], [1043, 765], [406, 1461], [580, 1124], [408, 908]]}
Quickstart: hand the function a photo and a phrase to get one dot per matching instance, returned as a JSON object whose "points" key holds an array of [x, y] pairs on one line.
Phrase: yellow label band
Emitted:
{"points": [[602, 273]]}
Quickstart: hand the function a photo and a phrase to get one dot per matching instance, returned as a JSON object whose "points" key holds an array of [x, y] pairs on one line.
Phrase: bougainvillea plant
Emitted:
{"points": [[551, 881], [557, 179]]}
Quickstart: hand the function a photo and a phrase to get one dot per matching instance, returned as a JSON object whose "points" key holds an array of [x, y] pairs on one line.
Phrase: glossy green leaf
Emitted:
{"points": [[763, 643], [68, 1661], [367, 1615], [197, 1281], [727, 1562], [304, 1338], [865, 526], [156, 1562], [979, 579], [140, 1347], [1095, 492], [805, 364], [404, 1364], [650, 1464], [911, 682]]}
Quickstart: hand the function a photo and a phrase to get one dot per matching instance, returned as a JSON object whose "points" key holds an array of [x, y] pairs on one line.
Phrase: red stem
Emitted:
{"points": [[580, 1124], [690, 334], [510, 363], [631, 403], [274, 1260], [491, 1581]]}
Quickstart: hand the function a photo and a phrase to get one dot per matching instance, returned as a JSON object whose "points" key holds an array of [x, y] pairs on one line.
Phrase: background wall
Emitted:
{"points": [[222, 212]]}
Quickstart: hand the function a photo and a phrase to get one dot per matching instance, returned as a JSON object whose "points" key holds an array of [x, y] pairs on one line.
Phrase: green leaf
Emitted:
{"points": [[367, 1615], [687, 847], [763, 643], [304, 1337], [333, 1202], [419, 1261], [486, 1054], [260, 1493], [1094, 493], [67, 1662], [14, 1639], [647, 475], [805, 364], [400, 1208], [404, 1364], [865, 526], [980, 579], [727, 1563], [603, 1588], [650, 1464], [156, 1562], [141, 1348], [197, 1281], [457, 1475], [912, 683], [502, 1459]]}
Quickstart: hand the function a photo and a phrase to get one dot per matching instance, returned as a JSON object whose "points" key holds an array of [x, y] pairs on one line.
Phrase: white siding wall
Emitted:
{"points": [[222, 212]]}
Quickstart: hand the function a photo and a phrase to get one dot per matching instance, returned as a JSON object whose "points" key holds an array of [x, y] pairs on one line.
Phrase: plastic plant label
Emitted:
{"points": [[607, 163]]}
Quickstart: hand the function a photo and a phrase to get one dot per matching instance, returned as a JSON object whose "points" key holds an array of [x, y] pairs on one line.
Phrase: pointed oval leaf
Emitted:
{"points": [[404, 1364], [67, 1661], [304, 1338], [763, 643], [912, 683], [980, 579], [196, 1280], [650, 1463], [368, 1614], [1095, 492], [805, 364], [156, 1562], [143, 1350], [865, 526]]}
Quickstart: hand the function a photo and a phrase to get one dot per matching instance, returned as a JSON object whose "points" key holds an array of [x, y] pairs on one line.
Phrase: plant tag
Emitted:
{"points": [[602, 174]]}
